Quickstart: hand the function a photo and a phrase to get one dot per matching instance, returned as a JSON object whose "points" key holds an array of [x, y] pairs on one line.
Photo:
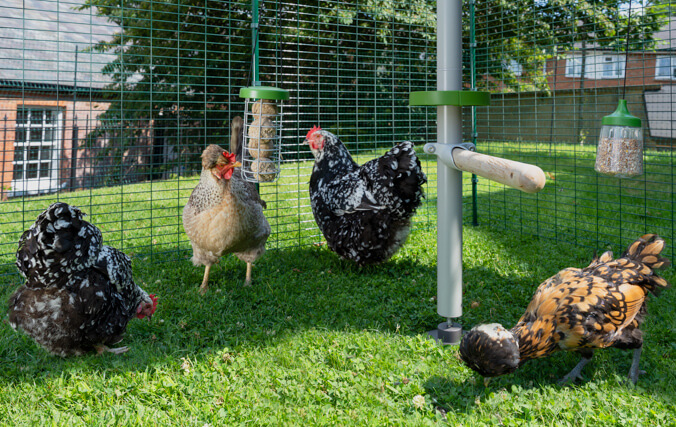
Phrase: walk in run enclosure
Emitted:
{"points": [[107, 105]]}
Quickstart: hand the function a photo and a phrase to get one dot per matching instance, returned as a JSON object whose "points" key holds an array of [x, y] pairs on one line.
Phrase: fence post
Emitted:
{"points": [[73, 154], [2, 167]]}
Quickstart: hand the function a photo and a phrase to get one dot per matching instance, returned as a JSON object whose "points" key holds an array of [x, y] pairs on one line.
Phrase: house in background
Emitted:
{"points": [[585, 85], [51, 97], [50, 86]]}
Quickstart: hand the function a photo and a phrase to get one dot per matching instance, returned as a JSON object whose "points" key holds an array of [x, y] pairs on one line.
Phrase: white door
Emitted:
{"points": [[37, 143]]}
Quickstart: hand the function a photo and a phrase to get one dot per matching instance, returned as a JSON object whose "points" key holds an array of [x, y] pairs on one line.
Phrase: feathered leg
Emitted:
{"points": [[205, 281], [634, 372], [575, 373], [247, 280], [100, 349]]}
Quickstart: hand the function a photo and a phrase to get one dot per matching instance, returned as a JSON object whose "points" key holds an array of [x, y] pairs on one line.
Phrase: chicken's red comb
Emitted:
{"points": [[231, 157], [313, 130]]}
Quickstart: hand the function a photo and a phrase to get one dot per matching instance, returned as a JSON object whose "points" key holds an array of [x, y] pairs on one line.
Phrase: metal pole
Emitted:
{"points": [[472, 54], [74, 130], [254, 36], [449, 180]]}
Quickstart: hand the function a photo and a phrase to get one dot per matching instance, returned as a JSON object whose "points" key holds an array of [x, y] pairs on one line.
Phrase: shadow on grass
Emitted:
{"points": [[293, 290]]}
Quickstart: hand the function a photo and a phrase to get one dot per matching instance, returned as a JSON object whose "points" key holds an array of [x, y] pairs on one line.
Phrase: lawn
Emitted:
{"points": [[318, 341]]}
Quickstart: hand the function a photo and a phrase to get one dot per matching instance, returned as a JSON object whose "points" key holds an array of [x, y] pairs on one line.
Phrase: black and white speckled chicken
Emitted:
{"points": [[363, 211], [79, 295], [602, 305]]}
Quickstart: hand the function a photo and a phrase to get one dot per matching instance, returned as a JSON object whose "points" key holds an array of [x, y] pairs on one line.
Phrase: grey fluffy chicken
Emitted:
{"points": [[79, 294], [602, 305], [224, 213], [364, 211]]}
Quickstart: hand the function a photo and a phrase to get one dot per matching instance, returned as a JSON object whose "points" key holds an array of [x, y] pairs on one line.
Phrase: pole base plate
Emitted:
{"points": [[446, 334]]}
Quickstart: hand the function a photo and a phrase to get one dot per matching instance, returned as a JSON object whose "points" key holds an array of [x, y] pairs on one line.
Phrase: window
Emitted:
{"points": [[665, 68], [36, 144], [612, 67], [574, 66], [514, 66], [596, 66]]}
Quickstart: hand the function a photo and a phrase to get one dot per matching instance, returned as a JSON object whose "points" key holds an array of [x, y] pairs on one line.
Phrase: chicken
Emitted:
{"points": [[79, 295], [225, 213], [602, 305], [363, 211]]}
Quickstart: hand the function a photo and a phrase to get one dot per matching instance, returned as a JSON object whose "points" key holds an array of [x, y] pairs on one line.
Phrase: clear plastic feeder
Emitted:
{"points": [[262, 151], [620, 147]]}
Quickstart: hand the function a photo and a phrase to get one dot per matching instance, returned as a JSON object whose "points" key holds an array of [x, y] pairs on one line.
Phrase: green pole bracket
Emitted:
{"points": [[449, 97]]}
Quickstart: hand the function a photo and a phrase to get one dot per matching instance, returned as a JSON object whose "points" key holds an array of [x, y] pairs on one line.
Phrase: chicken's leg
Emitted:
{"points": [[247, 280], [575, 373], [100, 349], [634, 372], [205, 281]]}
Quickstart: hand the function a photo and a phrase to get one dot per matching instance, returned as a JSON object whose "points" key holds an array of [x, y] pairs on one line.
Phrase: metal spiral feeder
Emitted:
{"points": [[263, 112]]}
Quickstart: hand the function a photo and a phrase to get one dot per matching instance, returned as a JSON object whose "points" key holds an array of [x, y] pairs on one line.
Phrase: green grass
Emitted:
{"points": [[317, 341]]}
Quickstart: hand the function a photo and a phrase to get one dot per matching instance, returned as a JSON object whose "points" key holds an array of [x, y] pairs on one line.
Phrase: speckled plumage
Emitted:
{"points": [[364, 211], [602, 305], [78, 293], [225, 216]]}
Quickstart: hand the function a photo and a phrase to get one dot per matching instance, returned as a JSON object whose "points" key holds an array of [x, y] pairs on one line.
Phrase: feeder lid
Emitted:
{"points": [[622, 117], [263, 92]]}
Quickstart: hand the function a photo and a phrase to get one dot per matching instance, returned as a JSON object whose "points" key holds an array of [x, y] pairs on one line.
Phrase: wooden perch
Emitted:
{"points": [[522, 176]]}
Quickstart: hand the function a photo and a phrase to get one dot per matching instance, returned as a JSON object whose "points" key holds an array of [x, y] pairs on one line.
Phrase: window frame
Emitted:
{"points": [[27, 143], [671, 66]]}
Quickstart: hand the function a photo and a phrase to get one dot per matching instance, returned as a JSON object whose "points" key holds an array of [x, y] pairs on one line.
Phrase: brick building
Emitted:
{"points": [[51, 97], [585, 85]]}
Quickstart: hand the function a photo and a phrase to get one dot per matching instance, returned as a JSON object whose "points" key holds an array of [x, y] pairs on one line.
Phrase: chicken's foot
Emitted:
{"points": [[575, 373], [247, 280], [100, 349], [205, 281]]}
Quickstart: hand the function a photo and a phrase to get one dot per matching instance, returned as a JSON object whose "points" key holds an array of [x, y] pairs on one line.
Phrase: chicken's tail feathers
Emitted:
{"points": [[647, 250], [59, 240], [237, 136], [401, 165]]}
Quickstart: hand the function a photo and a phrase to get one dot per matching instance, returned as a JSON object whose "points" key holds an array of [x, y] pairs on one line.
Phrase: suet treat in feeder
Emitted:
{"points": [[262, 137], [269, 108], [262, 132], [620, 148], [263, 170]]}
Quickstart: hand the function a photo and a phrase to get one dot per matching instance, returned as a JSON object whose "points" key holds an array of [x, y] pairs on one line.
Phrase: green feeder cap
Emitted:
{"points": [[622, 117], [263, 92]]}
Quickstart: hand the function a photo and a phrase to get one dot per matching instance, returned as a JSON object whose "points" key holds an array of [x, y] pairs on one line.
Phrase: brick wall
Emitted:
{"points": [[640, 71], [86, 113]]}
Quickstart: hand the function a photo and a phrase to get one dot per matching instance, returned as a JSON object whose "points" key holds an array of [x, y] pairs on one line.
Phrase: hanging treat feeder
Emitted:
{"points": [[261, 154], [620, 148]]}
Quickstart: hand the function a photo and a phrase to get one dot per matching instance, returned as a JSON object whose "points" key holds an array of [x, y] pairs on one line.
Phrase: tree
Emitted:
{"points": [[534, 31], [179, 63]]}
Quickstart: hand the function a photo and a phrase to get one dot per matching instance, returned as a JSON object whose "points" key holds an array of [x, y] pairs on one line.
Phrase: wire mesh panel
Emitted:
{"points": [[555, 70], [108, 104]]}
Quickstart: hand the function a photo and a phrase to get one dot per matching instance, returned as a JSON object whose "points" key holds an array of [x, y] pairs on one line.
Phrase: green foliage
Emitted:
{"points": [[179, 65], [533, 31]]}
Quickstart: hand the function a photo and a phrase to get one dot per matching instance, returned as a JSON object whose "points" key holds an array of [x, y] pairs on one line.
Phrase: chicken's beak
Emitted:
{"points": [[236, 165]]}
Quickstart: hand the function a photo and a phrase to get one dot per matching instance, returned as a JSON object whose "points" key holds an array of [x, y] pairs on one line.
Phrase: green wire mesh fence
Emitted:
{"points": [[554, 70], [107, 104]]}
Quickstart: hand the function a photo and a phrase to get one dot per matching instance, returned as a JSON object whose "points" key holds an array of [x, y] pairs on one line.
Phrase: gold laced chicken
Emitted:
{"points": [[602, 305], [225, 213]]}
